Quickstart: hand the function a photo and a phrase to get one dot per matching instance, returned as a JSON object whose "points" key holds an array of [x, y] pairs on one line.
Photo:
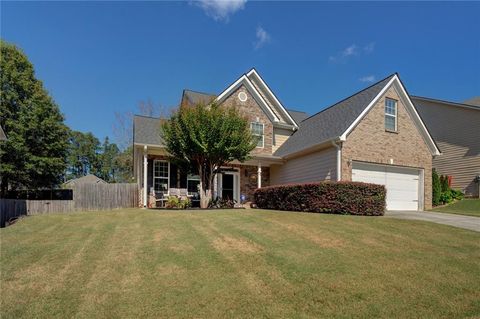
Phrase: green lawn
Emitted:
{"points": [[469, 207], [211, 264]]}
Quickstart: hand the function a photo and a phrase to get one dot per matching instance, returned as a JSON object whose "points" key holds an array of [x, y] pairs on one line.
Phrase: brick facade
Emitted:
{"points": [[251, 110], [249, 181], [370, 142]]}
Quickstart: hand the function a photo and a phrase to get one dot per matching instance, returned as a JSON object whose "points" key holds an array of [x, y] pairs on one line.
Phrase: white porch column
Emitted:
{"points": [[145, 170], [259, 175]]}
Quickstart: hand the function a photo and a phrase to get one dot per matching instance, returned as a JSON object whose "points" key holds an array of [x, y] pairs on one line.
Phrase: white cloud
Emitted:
{"points": [[262, 38], [369, 47], [220, 10], [368, 78], [352, 50]]}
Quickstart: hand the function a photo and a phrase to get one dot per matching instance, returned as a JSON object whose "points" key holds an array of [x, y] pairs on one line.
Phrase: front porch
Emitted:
{"points": [[162, 179]]}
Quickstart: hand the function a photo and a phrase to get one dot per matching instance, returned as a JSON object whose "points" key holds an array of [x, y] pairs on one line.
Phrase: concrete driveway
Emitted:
{"points": [[461, 221]]}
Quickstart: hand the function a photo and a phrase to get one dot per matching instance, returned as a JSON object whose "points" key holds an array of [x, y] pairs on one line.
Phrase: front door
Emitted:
{"points": [[227, 187]]}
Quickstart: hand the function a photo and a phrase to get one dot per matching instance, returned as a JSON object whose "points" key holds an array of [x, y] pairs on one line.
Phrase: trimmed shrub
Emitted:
{"points": [[436, 188], [348, 198]]}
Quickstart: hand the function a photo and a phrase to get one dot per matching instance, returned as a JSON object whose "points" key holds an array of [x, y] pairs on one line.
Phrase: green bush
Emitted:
{"points": [[446, 197], [444, 183], [184, 203], [348, 198], [175, 202], [172, 202], [457, 194], [436, 188], [221, 203]]}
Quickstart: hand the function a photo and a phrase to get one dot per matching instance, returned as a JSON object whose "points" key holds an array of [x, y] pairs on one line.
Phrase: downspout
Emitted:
{"points": [[339, 160], [145, 177]]}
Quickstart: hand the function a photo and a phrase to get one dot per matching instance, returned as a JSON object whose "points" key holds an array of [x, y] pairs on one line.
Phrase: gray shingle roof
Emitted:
{"points": [[330, 123], [146, 130], [194, 97], [87, 179], [297, 116], [475, 101]]}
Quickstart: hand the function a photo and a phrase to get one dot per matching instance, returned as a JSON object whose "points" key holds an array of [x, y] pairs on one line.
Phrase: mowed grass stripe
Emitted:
{"points": [[252, 263]]}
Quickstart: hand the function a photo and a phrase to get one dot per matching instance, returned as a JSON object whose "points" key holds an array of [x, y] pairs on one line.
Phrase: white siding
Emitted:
{"points": [[314, 167]]}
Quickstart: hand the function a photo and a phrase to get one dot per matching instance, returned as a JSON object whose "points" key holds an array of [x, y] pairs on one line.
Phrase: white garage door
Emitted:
{"points": [[402, 184]]}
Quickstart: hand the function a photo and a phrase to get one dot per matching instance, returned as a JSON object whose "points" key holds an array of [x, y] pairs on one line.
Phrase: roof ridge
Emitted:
{"points": [[331, 106], [150, 117], [195, 91], [445, 101]]}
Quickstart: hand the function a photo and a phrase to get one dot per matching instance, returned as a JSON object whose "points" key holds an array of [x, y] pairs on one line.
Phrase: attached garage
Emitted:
{"points": [[404, 185]]}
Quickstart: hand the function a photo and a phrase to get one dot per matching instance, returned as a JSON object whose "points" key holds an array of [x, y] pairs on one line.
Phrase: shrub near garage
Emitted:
{"points": [[349, 198]]}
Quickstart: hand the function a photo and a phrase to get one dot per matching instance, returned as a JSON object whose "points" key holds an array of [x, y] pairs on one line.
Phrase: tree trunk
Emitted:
{"points": [[205, 192]]}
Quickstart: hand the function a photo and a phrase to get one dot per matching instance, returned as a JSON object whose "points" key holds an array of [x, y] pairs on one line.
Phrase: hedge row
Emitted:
{"points": [[348, 198]]}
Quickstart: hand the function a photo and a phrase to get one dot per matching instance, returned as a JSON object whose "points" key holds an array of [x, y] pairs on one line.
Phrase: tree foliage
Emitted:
{"points": [[87, 156], [83, 155], [207, 137], [34, 156]]}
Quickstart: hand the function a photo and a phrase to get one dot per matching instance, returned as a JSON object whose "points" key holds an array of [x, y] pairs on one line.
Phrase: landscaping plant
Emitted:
{"points": [[207, 137], [436, 188], [348, 198]]}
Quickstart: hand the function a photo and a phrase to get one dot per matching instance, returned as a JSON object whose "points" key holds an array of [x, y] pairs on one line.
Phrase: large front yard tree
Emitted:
{"points": [[34, 156], [207, 137]]}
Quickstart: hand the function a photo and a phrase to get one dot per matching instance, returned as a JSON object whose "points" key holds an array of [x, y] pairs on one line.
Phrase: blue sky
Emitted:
{"points": [[98, 58]]}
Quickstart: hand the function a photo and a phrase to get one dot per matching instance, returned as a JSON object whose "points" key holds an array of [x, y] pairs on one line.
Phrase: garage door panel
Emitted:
{"points": [[401, 205], [402, 184]]}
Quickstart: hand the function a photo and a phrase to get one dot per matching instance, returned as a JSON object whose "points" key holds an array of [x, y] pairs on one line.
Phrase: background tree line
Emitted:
{"points": [[41, 151]]}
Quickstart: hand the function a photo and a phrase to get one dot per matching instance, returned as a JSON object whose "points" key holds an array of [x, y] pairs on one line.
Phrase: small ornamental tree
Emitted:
{"points": [[436, 188], [207, 137]]}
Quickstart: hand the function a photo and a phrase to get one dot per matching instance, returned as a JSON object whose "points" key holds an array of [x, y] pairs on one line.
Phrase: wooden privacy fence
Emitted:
{"points": [[85, 197], [105, 196]]}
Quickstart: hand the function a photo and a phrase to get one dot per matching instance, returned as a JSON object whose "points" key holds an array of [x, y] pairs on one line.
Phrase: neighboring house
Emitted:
{"points": [[3, 137], [375, 136], [87, 179], [456, 129]]}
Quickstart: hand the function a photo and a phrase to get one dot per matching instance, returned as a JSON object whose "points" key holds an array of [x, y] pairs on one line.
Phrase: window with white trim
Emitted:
{"points": [[257, 132], [161, 174], [193, 184], [390, 115]]}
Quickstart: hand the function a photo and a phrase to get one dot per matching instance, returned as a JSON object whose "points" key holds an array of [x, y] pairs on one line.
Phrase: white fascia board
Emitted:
{"points": [[280, 105], [435, 151], [248, 84], [285, 126], [433, 146], [343, 137]]}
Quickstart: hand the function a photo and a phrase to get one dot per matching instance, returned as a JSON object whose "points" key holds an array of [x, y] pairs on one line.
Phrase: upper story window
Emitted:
{"points": [[257, 132], [390, 115], [161, 174]]}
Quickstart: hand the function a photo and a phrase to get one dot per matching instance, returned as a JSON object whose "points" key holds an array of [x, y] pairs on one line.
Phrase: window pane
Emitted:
{"points": [[161, 185], [161, 169], [390, 123], [257, 132], [257, 128], [259, 141], [390, 106], [193, 187]]}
